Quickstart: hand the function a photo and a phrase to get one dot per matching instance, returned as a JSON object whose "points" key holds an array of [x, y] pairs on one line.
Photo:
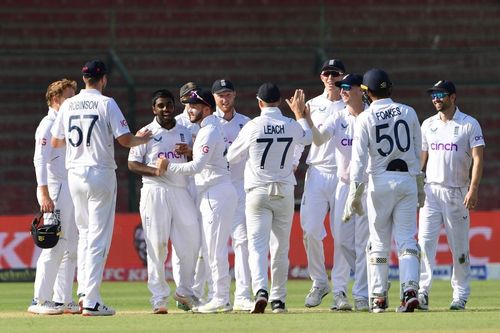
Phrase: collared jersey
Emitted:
{"points": [[340, 127], [209, 165], [89, 121], [49, 162], [384, 132], [449, 145], [231, 129], [267, 143], [162, 144], [323, 156], [183, 119]]}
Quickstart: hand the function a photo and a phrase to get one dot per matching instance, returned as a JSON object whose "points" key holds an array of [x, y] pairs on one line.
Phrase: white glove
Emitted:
{"points": [[353, 204], [420, 188]]}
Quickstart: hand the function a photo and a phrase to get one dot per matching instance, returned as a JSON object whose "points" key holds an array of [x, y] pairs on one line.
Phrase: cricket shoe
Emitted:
{"points": [[160, 307], [243, 304], [69, 308], [409, 302], [214, 306], [98, 310], [423, 301], [260, 301], [458, 304], [379, 304], [340, 302], [315, 296], [278, 306], [361, 304], [186, 302], [44, 308]]}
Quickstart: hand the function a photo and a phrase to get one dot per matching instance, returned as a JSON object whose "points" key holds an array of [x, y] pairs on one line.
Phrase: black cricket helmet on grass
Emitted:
{"points": [[45, 236]]}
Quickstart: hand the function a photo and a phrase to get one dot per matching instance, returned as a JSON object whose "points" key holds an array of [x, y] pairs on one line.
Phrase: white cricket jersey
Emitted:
{"points": [[340, 128], [384, 132], [49, 162], [89, 122], [162, 145], [232, 128], [267, 143], [183, 119], [209, 165], [449, 145], [323, 156]]}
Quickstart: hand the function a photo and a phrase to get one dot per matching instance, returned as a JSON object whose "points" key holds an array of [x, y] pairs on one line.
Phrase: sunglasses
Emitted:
{"points": [[438, 95], [345, 87], [194, 94], [331, 73]]}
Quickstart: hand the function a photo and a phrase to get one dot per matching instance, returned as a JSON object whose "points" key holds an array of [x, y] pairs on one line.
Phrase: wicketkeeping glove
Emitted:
{"points": [[353, 204], [420, 188]]}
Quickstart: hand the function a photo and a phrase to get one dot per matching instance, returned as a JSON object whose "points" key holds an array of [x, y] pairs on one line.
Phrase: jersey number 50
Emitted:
{"points": [[386, 137], [72, 127]]}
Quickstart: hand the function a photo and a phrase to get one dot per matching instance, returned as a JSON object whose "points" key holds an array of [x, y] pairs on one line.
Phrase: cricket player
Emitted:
{"points": [[86, 124], [387, 145], [168, 211], [217, 196], [350, 238], [55, 268], [452, 141], [232, 122], [319, 193], [267, 143]]}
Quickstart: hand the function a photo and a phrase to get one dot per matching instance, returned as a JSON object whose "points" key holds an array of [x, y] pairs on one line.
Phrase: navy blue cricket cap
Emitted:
{"points": [[333, 65], [269, 92], [350, 79], [94, 69], [444, 86], [222, 85], [201, 96], [376, 79]]}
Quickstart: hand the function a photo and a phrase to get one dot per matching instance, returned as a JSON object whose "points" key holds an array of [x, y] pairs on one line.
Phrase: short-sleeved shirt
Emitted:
{"points": [[89, 122], [161, 145], [449, 145], [384, 132]]}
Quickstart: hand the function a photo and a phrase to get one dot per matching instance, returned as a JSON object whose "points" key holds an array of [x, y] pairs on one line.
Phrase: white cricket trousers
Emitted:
{"points": [[318, 198], [217, 207], [392, 208], [93, 191], [169, 212], [350, 241], [240, 247], [55, 268], [444, 207], [269, 222]]}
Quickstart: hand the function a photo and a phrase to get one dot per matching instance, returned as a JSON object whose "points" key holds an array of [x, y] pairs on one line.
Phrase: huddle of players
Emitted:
{"points": [[189, 188]]}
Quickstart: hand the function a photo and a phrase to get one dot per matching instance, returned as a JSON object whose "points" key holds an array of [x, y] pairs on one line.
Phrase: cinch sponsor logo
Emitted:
{"points": [[346, 142], [444, 146], [168, 154]]}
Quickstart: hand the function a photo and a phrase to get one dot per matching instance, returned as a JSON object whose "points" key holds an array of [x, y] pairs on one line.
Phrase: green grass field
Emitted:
{"points": [[131, 300]]}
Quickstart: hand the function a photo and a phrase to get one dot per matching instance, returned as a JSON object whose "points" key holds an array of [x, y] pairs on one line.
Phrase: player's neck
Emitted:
{"points": [[333, 94], [355, 107], [447, 115], [229, 115]]}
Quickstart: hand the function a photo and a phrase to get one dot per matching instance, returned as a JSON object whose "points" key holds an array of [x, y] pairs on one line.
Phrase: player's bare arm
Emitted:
{"points": [[471, 198], [161, 166], [46, 203], [297, 104], [128, 140]]}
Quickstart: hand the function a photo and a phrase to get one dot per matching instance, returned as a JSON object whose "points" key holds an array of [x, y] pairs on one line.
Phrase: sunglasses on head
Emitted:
{"points": [[438, 95], [331, 73], [345, 87], [194, 94]]}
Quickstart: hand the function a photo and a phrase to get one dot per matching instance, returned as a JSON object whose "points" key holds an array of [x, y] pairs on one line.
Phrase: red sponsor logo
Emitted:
{"points": [[205, 149]]}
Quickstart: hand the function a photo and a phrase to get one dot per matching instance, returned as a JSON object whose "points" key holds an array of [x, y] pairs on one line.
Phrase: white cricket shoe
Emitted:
{"points": [[361, 304], [458, 304], [340, 302], [316, 295], [69, 308], [214, 306], [160, 307], [243, 304], [186, 303], [44, 308], [98, 310]]}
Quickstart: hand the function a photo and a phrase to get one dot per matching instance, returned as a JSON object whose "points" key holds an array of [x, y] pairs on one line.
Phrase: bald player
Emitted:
{"points": [[168, 211], [87, 124], [386, 145], [452, 141]]}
